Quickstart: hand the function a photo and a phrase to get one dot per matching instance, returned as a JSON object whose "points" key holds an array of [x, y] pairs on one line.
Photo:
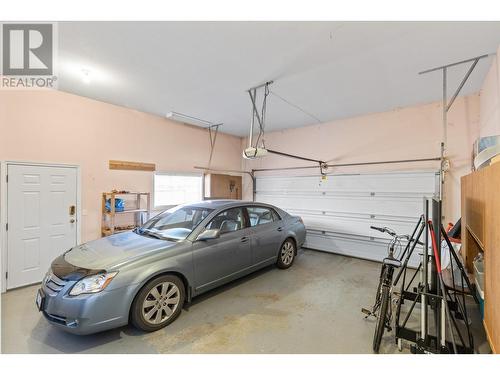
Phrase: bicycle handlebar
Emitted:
{"points": [[384, 230], [393, 234]]}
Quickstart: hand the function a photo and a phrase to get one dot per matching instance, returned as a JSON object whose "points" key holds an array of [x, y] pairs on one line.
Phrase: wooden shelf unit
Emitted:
{"points": [[480, 201], [108, 220]]}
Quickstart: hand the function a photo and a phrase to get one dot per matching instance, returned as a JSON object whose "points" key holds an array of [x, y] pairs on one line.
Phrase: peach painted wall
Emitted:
{"points": [[490, 101], [56, 127], [406, 133]]}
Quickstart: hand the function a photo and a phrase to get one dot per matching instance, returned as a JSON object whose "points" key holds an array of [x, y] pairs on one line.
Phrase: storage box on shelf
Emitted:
{"points": [[141, 206], [479, 281]]}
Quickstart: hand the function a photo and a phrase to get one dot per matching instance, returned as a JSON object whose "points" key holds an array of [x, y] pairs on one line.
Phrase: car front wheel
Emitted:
{"points": [[286, 255], [158, 303]]}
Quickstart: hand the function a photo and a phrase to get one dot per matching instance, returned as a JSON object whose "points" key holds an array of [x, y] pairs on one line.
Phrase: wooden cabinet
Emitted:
{"points": [[480, 201], [222, 186]]}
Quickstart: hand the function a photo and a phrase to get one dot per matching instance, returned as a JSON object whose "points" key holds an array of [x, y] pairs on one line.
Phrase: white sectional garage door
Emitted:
{"points": [[338, 212]]}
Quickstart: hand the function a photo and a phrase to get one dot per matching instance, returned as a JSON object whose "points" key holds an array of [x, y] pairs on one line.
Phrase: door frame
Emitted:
{"points": [[4, 209]]}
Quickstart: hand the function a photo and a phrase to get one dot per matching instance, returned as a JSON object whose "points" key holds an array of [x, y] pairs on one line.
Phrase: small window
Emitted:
{"points": [[228, 221], [175, 189], [261, 215]]}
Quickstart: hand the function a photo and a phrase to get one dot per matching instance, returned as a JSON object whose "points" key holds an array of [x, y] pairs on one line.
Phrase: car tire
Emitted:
{"points": [[287, 253], [158, 303]]}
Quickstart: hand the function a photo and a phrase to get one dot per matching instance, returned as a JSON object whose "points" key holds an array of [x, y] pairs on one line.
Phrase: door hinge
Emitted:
{"points": [[6, 275], [7, 178], [7, 226]]}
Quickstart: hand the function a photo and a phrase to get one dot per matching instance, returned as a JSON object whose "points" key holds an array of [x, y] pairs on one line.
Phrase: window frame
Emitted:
{"points": [[274, 214], [173, 173], [246, 221]]}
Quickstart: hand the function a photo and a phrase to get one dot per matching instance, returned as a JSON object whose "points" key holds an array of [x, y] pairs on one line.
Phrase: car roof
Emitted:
{"points": [[224, 203]]}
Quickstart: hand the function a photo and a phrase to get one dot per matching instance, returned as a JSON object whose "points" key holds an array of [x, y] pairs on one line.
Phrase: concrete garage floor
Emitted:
{"points": [[314, 307]]}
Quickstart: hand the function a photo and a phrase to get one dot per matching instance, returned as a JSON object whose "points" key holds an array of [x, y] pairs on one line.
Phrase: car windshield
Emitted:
{"points": [[174, 224]]}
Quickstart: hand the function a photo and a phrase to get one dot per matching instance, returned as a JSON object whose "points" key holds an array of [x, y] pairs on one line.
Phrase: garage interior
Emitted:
{"points": [[346, 124]]}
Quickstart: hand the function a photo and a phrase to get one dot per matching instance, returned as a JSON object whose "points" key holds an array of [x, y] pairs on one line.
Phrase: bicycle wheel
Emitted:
{"points": [[381, 281], [380, 326]]}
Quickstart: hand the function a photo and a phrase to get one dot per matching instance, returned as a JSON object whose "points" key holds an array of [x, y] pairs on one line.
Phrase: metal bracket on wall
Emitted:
{"points": [[213, 130]]}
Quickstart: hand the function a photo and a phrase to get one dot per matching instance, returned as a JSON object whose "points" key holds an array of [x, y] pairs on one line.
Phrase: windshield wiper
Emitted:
{"points": [[150, 233]]}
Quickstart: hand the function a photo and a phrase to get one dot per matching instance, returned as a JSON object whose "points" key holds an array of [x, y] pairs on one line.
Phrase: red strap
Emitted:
{"points": [[434, 246]]}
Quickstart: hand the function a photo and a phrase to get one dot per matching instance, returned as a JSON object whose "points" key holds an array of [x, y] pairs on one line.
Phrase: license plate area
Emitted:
{"points": [[40, 299]]}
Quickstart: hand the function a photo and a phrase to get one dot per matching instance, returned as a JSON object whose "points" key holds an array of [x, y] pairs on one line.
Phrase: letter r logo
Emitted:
{"points": [[27, 49]]}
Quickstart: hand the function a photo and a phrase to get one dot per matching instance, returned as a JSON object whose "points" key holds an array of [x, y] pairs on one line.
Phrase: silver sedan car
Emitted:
{"points": [[146, 275]]}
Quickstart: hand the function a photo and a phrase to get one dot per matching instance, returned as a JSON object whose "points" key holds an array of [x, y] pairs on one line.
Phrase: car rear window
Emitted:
{"points": [[261, 215]]}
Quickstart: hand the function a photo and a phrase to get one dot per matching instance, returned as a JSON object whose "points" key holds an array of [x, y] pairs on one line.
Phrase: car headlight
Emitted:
{"points": [[92, 284]]}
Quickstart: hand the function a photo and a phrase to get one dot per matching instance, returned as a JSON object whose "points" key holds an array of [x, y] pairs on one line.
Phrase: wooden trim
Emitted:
{"points": [[131, 165], [481, 234], [488, 337]]}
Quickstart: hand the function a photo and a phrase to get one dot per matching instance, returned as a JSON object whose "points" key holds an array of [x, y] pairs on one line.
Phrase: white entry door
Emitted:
{"points": [[41, 219]]}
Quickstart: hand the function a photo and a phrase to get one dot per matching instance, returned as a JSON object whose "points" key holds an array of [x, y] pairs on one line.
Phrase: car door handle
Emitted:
{"points": [[244, 239], [279, 229]]}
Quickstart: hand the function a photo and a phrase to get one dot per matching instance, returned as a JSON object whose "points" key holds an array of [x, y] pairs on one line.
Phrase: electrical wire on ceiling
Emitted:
{"points": [[296, 106]]}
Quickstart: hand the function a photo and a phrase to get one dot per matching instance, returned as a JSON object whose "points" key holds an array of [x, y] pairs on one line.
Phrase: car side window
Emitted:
{"points": [[228, 221], [261, 215]]}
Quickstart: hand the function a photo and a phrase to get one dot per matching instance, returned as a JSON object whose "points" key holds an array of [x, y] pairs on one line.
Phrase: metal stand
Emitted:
{"points": [[446, 304], [447, 105]]}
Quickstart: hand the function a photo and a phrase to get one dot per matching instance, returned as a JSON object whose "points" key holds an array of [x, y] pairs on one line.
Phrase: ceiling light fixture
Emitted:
{"points": [[86, 76], [176, 116]]}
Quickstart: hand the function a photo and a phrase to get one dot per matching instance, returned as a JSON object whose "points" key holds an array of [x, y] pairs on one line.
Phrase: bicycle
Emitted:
{"points": [[382, 308]]}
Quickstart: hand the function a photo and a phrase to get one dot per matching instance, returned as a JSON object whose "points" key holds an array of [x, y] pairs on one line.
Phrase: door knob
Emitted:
{"points": [[72, 221]]}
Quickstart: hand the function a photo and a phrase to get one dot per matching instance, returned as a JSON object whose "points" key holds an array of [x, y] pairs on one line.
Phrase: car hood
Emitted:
{"points": [[113, 251]]}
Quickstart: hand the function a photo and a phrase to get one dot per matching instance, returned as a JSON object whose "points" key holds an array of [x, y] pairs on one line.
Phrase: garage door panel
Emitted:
{"points": [[370, 205], [355, 226], [403, 182], [358, 248], [338, 212]]}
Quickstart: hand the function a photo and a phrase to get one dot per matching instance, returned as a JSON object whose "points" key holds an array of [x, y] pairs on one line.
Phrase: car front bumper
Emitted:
{"points": [[86, 313]]}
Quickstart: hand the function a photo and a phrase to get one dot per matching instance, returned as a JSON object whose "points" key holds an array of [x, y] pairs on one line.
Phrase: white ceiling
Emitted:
{"points": [[332, 70]]}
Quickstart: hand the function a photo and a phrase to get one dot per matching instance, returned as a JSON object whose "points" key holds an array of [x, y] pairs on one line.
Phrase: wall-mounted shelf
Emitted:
{"points": [[476, 239], [108, 222], [127, 211]]}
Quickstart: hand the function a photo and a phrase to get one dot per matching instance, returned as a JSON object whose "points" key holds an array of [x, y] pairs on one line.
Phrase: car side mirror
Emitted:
{"points": [[208, 234]]}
